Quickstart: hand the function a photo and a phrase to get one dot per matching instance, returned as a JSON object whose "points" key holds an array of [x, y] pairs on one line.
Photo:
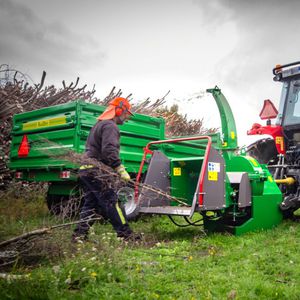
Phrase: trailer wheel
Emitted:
{"points": [[126, 197], [64, 206]]}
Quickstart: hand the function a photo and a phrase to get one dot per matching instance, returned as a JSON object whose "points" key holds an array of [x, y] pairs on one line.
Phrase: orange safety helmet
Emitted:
{"points": [[115, 108]]}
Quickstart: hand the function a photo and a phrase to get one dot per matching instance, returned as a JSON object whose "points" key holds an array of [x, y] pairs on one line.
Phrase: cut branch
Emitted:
{"points": [[43, 231]]}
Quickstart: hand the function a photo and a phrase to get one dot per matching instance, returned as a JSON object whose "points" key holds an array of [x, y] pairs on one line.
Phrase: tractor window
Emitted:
{"points": [[292, 113], [284, 92]]}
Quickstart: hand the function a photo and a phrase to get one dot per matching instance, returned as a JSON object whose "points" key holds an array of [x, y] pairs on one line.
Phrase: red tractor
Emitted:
{"points": [[282, 152]]}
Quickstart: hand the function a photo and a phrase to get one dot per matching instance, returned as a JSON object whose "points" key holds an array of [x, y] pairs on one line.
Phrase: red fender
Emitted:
{"points": [[274, 130]]}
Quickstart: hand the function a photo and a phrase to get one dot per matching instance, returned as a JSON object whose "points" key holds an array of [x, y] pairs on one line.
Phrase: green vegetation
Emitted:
{"points": [[170, 263]]}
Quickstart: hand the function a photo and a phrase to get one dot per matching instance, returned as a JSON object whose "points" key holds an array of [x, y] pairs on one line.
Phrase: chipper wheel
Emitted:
{"points": [[126, 197], [67, 206]]}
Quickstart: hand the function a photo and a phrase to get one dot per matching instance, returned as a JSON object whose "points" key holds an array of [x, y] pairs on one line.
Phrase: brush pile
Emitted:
{"points": [[17, 96]]}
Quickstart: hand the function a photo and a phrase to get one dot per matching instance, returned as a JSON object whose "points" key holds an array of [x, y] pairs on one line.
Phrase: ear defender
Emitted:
{"points": [[119, 109]]}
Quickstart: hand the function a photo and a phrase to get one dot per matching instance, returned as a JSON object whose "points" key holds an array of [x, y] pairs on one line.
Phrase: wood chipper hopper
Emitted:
{"points": [[231, 192]]}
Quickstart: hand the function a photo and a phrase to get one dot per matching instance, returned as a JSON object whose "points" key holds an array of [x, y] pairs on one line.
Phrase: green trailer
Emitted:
{"points": [[42, 139]]}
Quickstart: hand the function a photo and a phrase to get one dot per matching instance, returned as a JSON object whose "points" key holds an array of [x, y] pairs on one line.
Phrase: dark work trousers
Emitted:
{"points": [[98, 200]]}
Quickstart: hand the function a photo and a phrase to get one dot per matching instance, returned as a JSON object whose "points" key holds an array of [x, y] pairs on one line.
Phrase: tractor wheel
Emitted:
{"points": [[263, 150], [288, 214], [126, 197], [289, 205], [64, 206]]}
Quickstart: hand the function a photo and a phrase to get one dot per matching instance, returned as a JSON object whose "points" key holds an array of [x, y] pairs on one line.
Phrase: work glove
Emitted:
{"points": [[123, 173]]}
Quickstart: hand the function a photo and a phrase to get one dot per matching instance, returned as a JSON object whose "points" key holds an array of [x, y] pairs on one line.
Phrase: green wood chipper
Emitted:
{"points": [[230, 191]]}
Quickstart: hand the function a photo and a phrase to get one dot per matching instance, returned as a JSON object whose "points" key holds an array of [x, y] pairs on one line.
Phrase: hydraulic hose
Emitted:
{"points": [[287, 181]]}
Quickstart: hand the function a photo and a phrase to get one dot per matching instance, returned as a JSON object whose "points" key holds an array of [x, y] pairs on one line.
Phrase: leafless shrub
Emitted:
{"points": [[19, 96], [28, 191], [67, 207]]}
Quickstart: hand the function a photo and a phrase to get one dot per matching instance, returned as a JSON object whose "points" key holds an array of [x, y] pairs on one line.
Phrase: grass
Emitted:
{"points": [[171, 263]]}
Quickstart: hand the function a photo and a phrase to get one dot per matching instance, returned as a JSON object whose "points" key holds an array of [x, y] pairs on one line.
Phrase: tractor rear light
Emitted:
{"points": [[65, 174], [24, 147], [18, 175]]}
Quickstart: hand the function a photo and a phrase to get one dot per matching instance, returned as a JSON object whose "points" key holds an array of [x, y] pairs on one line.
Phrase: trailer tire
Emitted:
{"points": [[131, 208]]}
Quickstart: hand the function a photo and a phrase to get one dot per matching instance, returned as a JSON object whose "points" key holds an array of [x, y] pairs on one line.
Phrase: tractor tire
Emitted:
{"points": [[263, 150], [126, 198], [63, 206], [289, 206]]}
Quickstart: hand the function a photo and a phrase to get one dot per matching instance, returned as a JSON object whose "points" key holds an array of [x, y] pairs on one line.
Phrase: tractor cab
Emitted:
{"points": [[289, 117], [282, 151], [286, 130]]}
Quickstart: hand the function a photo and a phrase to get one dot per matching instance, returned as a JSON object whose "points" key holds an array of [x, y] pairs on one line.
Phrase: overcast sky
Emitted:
{"points": [[149, 47]]}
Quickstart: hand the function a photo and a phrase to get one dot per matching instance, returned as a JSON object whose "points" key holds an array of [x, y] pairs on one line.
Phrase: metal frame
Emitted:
{"points": [[204, 166]]}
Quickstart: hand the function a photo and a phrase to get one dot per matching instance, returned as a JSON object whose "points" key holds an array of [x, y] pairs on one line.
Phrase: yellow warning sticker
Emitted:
{"points": [[45, 123], [212, 176], [232, 134], [176, 171], [279, 141]]}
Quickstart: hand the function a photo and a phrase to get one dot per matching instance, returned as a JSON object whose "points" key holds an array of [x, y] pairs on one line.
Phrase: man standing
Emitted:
{"points": [[103, 144]]}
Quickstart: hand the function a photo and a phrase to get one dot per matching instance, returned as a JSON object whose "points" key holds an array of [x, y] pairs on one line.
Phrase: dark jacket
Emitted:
{"points": [[103, 143]]}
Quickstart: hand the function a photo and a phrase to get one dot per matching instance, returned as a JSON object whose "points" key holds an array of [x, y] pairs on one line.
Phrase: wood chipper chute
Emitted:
{"points": [[231, 192]]}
